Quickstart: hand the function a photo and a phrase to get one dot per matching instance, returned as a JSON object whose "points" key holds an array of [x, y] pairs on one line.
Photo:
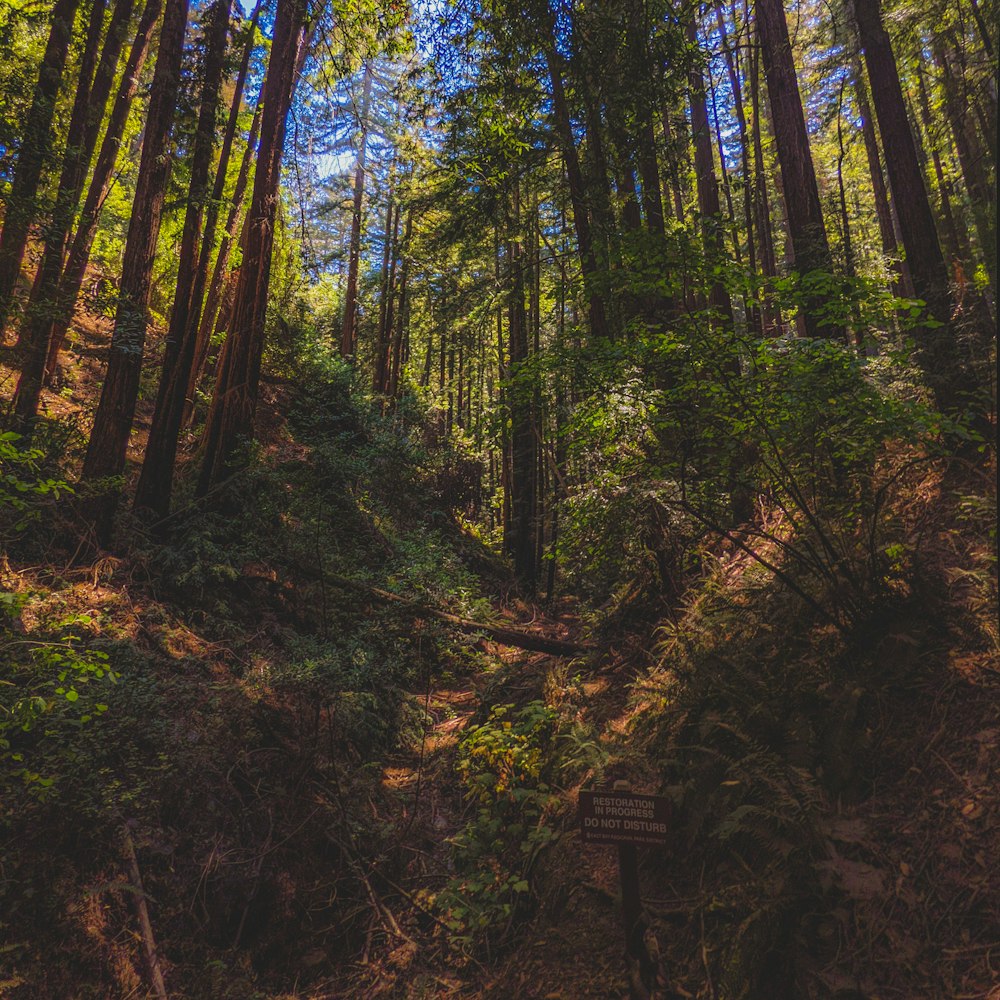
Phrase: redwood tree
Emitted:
{"points": [[94, 84], [348, 336], [113, 421], [936, 349], [806, 229], [234, 403], [35, 146], [153, 489], [75, 265]]}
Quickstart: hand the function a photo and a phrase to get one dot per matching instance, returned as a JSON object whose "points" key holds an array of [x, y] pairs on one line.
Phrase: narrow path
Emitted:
{"points": [[572, 950]]}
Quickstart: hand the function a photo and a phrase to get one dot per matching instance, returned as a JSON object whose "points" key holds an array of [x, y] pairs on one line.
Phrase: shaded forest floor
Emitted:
{"points": [[296, 765]]}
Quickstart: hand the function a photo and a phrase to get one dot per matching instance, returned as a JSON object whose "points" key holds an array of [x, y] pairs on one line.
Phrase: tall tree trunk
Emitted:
{"points": [[234, 403], [708, 189], [577, 189], [971, 156], [727, 186], [770, 314], [937, 353], [883, 210], [637, 32], [75, 159], [156, 478], [75, 267], [218, 288], [348, 336], [755, 318], [521, 544], [396, 354], [806, 228], [31, 158], [673, 155], [108, 444], [215, 205], [953, 230], [386, 292]]}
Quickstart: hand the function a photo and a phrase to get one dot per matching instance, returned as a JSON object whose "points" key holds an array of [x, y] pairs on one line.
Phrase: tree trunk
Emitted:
{"points": [[214, 209], [521, 543], [155, 480], [971, 156], [954, 233], [113, 421], [75, 160], [807, 232], [75, 267], [349, 335], [234, 404], [218, 288], [770, 314], [883, 210], [727, 186], [386, 291], [33, 154], [577, 188], [708, 189], [755, 318], [936, 349], [396, 355]]}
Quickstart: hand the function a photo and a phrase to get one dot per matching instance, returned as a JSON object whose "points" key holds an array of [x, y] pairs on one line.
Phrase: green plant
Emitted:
{"points": [[504, 764], [49, 690], [21, 485]]}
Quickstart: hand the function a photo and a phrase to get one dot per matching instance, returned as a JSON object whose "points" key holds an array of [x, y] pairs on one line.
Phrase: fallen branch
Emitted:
{"points": [[504, 636], [142, 912]]}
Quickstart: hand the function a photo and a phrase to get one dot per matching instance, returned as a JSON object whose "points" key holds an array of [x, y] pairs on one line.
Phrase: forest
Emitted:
{"points": [[420, 419]]}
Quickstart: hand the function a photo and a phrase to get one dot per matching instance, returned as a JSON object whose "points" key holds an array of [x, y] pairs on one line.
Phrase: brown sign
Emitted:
{"points": [[623, 818]]}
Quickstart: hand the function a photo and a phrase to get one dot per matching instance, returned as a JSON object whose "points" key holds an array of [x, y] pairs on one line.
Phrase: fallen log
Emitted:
{"points": [[518, 638], [142, 913]]}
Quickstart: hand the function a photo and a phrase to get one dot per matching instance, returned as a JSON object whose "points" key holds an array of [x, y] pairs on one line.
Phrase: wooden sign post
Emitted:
{"points": [[628, 820]]}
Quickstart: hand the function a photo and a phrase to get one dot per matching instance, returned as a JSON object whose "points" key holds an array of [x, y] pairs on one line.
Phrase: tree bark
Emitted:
{"points": [[708, 190], [116, 411], [519, 538], [952, 230], [75, 267], [883, 209], [234, 404], [32, 156], [156, 478], [76, 157], [398, 337], [770, 314], [387, 296], [577, 189], [732, 70], [806, 229], [971, 157], [348, 336], [219, 291], [937, 353]]}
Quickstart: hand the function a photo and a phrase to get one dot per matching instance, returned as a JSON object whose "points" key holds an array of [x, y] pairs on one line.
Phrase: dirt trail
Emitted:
{"points": [[571, 948]]}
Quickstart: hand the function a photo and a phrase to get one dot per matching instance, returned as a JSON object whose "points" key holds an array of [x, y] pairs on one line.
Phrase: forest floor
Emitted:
{"points": [[289, 850]]}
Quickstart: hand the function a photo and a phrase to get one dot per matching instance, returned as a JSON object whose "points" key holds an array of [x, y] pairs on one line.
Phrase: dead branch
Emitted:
{"points": [[142, 913], [504, 636]]}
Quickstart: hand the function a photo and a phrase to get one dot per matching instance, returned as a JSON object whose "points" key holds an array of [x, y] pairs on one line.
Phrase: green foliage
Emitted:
{"points": [[753, 721], [506, 765], [783, 445], [49, 689], [20, 484]]}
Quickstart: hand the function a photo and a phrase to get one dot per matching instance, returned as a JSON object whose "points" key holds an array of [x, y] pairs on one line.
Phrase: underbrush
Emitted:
{"points": [[771, 723], [221, 693]]}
